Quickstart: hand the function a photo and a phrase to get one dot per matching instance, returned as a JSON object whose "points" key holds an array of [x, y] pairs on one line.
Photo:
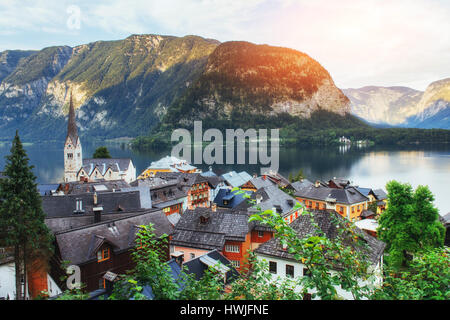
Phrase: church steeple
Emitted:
{"points": [[72, 131], [73, 153]]}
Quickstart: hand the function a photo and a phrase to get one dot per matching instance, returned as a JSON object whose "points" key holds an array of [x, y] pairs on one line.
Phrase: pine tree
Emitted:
{"points": [[22, 224]]}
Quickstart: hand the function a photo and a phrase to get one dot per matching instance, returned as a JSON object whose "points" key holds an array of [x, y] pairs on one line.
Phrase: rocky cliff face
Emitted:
{"points": [[402, 106], [259, 79], [22, 91], [9, 60]]}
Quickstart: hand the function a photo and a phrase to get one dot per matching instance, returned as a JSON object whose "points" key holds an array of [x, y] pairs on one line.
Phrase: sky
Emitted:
{"points": [[359, 42]]}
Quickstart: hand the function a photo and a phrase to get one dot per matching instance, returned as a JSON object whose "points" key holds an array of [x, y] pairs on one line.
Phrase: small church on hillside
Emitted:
{"points": [[78, 169]]}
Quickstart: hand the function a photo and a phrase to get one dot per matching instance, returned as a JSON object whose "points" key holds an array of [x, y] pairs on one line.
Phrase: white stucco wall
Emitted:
{"points": [[8, 281], [298, 272]]}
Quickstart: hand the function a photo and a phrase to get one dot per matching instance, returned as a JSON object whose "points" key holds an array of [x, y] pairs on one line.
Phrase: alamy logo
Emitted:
{"points": [[74, 279], [74, 20], [258, 143]]}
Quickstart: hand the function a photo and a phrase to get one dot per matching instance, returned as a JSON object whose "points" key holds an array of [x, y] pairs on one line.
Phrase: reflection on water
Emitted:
{"points": [[367, 167]]}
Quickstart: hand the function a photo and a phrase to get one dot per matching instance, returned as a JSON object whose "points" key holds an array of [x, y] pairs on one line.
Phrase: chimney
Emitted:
{"points": [[213, 206], [258, 198], [317, 184], [110, 278], [179, 257], [204, 218], [97, 214], [97, 209]]}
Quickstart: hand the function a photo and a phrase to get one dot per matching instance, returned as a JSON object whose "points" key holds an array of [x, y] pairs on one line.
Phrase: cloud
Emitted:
{"points": [[370, 42]]}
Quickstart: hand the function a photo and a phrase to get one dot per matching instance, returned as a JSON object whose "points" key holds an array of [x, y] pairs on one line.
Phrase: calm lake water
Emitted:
{"points": [[367, 167]]}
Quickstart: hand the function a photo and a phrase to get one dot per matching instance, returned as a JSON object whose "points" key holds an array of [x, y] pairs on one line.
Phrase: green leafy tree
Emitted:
{"points": [[409, 224], [428, 278], [22, 224], [101, 153]]}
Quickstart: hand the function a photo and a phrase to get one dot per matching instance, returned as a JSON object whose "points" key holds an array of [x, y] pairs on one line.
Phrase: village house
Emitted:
{"points": [[204, 229], [166, 195], [348, 201], [107, 169], [282, 264], [102, 245]]}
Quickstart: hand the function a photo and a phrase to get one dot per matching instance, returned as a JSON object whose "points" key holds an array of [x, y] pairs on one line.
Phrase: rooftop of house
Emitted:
{"points": [[380, 194], [347, 196], [206, 229], [200, 264], [80, 245], [111, 202], [78, 187], [298, 185], [277, 178], [171, 163], [367, 224], [103, 164], [325, 220], [261, 182], [226, 198], [270, 198], [235, 179], [340, 183]]}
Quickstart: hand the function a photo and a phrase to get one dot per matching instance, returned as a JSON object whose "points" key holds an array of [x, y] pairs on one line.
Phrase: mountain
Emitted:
{"points": [[242, 79], [9, 60], [120, 88], [402, 106], [433, 108], [126, 88]]}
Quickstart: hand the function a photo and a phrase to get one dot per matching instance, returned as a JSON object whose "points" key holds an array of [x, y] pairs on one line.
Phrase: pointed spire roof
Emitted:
{"points": [[72, 131]]}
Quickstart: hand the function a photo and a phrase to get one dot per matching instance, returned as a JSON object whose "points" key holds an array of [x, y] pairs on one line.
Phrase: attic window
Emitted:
{"points": [[103, 255]]}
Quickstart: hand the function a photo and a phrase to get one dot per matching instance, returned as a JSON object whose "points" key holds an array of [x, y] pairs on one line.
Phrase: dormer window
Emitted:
{"points": [[79, 205], [103, 255]]}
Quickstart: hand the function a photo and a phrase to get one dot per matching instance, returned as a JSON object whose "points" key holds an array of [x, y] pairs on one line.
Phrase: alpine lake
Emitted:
{"points": [[370, 167]]}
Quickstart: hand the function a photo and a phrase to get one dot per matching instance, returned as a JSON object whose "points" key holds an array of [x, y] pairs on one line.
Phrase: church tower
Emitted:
{"points": [[73, 154]]}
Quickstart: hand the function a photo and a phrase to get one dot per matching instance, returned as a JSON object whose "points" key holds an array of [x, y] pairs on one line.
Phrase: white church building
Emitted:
{"points": [[78, 169]]}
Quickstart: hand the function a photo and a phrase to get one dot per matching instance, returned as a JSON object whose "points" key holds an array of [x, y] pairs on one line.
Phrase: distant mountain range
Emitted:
{"points": [[127, 87], [146, 83], [402, 106]]}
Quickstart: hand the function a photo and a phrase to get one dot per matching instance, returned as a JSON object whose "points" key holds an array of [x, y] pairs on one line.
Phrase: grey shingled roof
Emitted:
{"points": [[324, 219], [116, 164], [272, 197], [260, 182], [380, 194], [222, 225], [346, 196], [77, 187], [112, 202], [78, 245], [298, 185], [198, 268]]}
